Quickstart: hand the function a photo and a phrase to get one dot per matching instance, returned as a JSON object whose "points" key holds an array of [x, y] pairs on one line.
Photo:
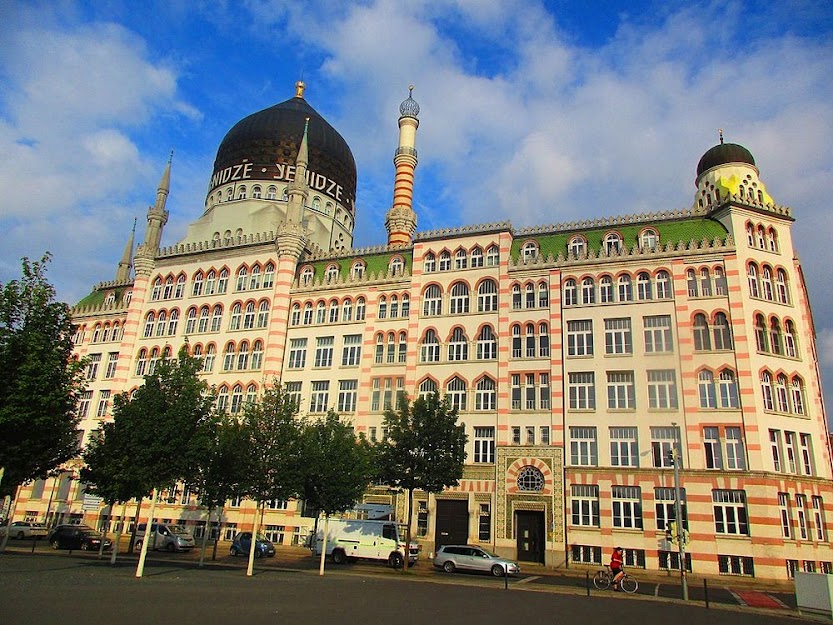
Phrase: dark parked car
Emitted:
{"points": [[243, 543], [451, 558], [76, 537]]}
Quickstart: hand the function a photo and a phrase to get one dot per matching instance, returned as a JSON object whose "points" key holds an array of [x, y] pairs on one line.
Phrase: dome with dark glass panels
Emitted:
{"points": [[722, 154]]}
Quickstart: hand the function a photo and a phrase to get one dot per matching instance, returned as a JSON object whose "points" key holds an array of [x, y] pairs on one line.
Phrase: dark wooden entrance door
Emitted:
{"points": [[452, 522], [530, 532]]}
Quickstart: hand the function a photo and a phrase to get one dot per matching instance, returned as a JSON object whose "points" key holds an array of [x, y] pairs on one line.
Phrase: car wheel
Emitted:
{"points": [[170, 547], [232, 551], [448, 566], [258, 553], [55, 544], [85, 546], [395, 560], [138, 545], [21, 535], [339, 557], [497, 570]]}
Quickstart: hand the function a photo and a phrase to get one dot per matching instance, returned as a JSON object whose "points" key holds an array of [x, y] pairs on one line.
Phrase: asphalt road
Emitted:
{"points": [[48, 588]]}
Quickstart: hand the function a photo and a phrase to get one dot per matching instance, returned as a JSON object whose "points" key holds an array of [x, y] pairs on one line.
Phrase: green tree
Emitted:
{"points": [[222, 472], [170, 421], [275, 459], [40, 382], [337, 468], [425, 449]]}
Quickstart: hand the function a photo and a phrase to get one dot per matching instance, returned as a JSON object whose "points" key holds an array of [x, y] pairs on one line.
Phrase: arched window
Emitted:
{"points": [[347, 310], [269, 276], [394, 306], [458, 345], [517, 350], [570, 295], [705, 282], [357, 271], [222, 281], [543, 295], [487, 296], [606, 290], [141, 362], [403, 348], [577, 246], [530, 341], [761, 342], [459, 298], [752, 275], [790, 340], [406, 306], [461, 259], [445, 260], [228, 356], [612, 244], [316, 203], [543, 340], [433, 302], [263, 314], [242, 272], [249, 316], [222, 399], [210, 355], [397, 266], [382, 308], [271, 193], [663, 285], [306, 276], [782, 401], [295, 319], [708, 396], [529, 290], [797, 388], [492, 256], [236, 316], [210, 282], [720, 287], [761, 237], [157, 290], [702, 341], [255, 278], [691, 282], [643, 286], [96, 333], [430, 351], [486, 344], [766, 283], [333, 316], [332, 273], [256, 192], [485, 396], [360, 309], [257, 354], [161, 322], [251, 394], [781, 286], [320, 312], [775, 342], [625, 288], [456, 393], [216, 318], [772, 239], [196, 288], [243, 356], [427, 388], [203, 323], [648, 240], [728, 390], [307, 314], [476, 258], [517, 301], [750, 234], [169, 288], [722, 331], [766, 391], [172, 322], [430, 263], [588, 291], [154, 358], [529, 251]]}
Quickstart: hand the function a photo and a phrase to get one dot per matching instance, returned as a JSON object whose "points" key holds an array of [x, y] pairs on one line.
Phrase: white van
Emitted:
{"points": [[349, 539], [165, 537]]}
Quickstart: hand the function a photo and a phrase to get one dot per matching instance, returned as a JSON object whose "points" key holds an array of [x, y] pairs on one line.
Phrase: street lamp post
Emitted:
{"points": [[676, 458]]}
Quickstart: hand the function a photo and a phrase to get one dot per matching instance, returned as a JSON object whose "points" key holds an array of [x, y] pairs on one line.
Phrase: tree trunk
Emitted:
{"points": [[148, 530], [135, 523], [216, 540], [253, 544], [104, 533], [117, 544], [9, 519], [323, 544], [205, 534], [407, 554]]}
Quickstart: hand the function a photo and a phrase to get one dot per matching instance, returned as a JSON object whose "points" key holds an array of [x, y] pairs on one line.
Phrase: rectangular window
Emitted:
{"points": [[670, 560], [583, 447], [582, 390], [627, 507], [584, 501], [618, 336], [320, 396], [324, 351], [484, 444], [484, 525], [92, 366], [735, 455], [662, 389], [663, 441], [586, 554], [516, 435], [580, 338], [297, 353], [103, 404], [818, 519], [666, 507], [112, 361], [711, 444], [293, 390], [735, 565], [84, 404], [624, 448], [422, 518], [351, 352], [545, 434], [785, 515], [730, 512], [347, 390], [775, 443], [621, 391], [801, 516], [806, 454], [658, 336]]}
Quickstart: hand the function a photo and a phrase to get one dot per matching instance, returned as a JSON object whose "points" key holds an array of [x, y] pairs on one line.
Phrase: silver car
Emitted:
{"points": [[471, 558]]}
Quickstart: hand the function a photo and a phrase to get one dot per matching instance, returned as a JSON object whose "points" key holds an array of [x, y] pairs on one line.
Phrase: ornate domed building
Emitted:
{"points": [[585, 359]]}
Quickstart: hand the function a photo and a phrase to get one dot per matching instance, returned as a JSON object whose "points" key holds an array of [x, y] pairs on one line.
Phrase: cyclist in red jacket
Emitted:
{"points": [[617, 561]]}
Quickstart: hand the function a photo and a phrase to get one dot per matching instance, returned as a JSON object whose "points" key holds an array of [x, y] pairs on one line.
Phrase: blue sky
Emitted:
{"points": [[538, 112]]}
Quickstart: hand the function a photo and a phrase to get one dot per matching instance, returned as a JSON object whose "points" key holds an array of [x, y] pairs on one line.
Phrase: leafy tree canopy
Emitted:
{"points": [[40, 382], [108, 470], [222, 470]]}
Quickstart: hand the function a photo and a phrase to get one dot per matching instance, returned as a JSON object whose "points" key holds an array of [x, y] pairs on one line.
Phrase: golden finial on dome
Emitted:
{"points": [[299, 89], [720, 132]]}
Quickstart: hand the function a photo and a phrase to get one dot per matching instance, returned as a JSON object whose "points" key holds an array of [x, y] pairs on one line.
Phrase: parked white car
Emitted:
{"points": [[25, 529]]}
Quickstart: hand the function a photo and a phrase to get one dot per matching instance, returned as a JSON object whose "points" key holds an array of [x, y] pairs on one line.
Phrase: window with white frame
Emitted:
{"points": [[665, 505], [487, 296], [618, 336], [456, 393], [430, 349], [486, 344], [581, 389], [293, 392], [583, 447], [484, 444], [621, 390], [606, 290], [461, 260], [485, 396], [459, 302], [730, 512], [458, 345], [351, 352], [432, 301], [577, 246], [658, 334], [320, 396], [297, 353], [584, 503], [644, 290], [476, 258], [529, 251], [712, 447], [324, 351], [612, 244], [347, 390], [570, 293], [662, 389], [624, 447], [627, 507], [663, 441], [728, 390], [492, 256], [802, 519], [819, 518], [580, 337], [785, 515], [445, 260]]}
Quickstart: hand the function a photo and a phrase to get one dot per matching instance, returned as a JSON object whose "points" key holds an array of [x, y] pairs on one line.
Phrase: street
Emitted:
{"points": [[58, 588]]}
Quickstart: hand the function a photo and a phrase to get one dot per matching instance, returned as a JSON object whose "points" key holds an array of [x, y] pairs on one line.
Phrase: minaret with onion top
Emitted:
{"points": [[401, 220]]}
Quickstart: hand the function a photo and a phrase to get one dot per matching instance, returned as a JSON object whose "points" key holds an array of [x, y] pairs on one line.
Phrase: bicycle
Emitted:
{"points": [[604, 579]]}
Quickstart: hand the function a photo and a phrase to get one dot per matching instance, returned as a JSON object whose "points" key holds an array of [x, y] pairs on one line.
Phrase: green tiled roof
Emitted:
{"points": [[376, 263], [96, 298], [669, 232]]}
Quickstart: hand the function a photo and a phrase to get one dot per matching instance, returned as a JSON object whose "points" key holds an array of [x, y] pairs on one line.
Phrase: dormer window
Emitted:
{"points": [[332, 273], [306, 276], [529, 251], [578, 246], [110, 299], [613, 243], [397, 266], [358, 270], [648, 240]]}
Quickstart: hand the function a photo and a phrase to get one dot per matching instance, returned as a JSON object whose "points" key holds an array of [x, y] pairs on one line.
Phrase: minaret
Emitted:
{"points": [[157, 215], [126, 262], [401, 220], [298, 189]]}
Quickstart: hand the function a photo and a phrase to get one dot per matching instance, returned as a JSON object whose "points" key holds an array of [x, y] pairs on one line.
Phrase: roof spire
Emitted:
{"points": [[720, 132], [126, 262], [299, 89]]}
